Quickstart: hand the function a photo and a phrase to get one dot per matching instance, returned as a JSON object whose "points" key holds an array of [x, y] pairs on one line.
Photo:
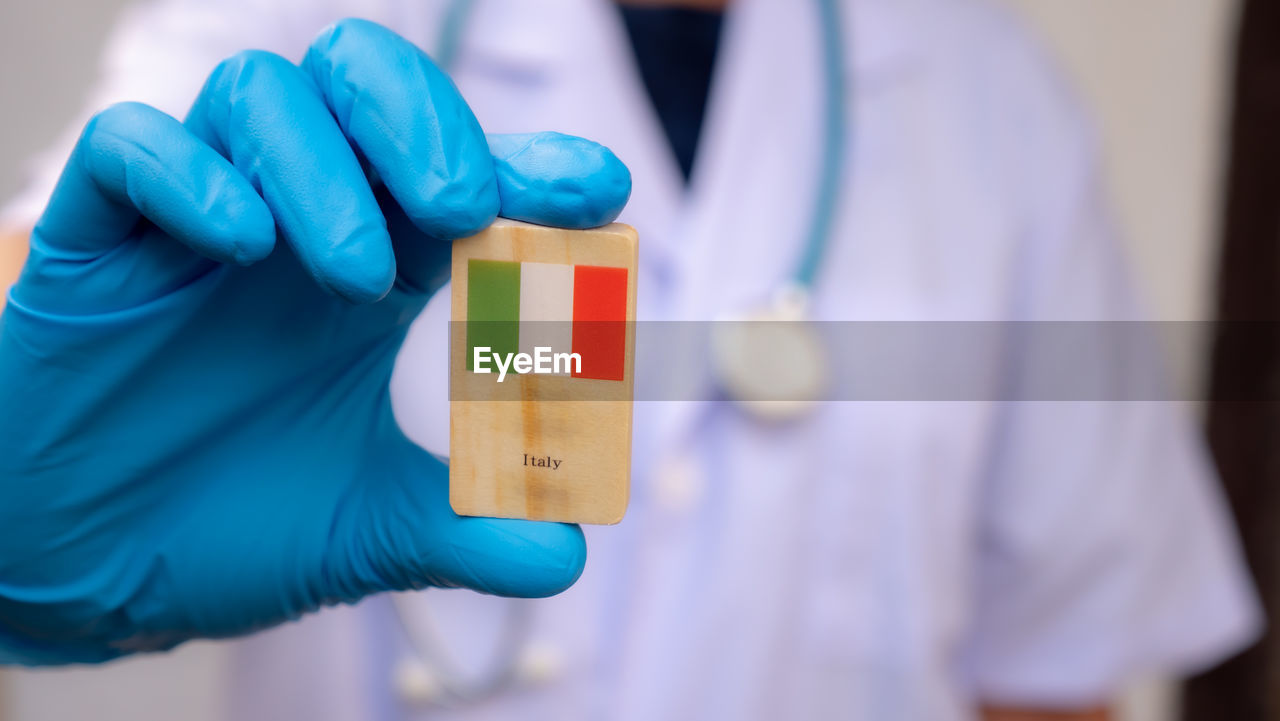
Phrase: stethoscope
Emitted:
{"points": [[767, 359], [770, 359]]}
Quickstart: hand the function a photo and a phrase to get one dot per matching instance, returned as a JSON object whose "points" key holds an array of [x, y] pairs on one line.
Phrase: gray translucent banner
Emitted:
{"points": [[887, 361]]}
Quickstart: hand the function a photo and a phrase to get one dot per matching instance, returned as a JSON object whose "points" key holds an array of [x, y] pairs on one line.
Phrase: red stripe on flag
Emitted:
{"points": [[599, 321]]}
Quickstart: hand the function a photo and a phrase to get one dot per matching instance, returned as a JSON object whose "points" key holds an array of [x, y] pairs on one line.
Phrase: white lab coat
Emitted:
{"points": [[881, 561]]}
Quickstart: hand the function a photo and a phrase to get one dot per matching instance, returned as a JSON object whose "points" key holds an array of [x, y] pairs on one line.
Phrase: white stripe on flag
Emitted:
{"points": [[546, 307]]}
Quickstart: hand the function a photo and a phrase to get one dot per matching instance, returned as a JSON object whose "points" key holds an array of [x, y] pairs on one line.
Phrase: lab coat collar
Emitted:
{"points": [[532, 38], [542, 44]]}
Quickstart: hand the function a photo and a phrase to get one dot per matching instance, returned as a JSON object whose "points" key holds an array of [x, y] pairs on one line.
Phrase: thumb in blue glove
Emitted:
{"points": [[197, 437]]}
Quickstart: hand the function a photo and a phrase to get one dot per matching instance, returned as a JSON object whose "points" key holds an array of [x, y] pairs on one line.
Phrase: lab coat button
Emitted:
{"points": [[539, 664], [416, 683], [679, 484]]}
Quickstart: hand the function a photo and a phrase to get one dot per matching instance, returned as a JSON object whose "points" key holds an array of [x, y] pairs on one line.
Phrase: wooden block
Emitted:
{"points": [[543, 446]]}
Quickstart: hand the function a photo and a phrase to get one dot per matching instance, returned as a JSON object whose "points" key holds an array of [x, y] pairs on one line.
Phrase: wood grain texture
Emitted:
{"points": [[495, 428]]}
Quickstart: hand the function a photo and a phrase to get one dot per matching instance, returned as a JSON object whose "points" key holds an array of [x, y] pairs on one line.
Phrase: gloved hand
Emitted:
{"points": [[196, 437]]}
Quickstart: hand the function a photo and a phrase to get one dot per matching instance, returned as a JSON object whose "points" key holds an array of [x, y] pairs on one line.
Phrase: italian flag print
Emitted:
{"points": [[516, 307]]}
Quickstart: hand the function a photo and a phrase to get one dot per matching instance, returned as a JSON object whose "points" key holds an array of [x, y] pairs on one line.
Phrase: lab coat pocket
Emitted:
{"points": [[889, 544], [843, 494]]}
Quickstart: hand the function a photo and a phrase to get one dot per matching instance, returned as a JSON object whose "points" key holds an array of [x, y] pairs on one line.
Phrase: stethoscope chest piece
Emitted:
{"points": [[771, 360]]}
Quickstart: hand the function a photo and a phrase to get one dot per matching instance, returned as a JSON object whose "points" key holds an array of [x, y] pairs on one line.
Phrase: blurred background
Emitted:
{"points": [[1157, 75]]}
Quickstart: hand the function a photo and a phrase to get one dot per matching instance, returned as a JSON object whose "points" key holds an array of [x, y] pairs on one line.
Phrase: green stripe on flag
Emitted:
{"points": [[493, 307]]}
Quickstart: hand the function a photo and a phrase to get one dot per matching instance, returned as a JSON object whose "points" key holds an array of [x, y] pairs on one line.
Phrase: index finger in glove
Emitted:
{"points": [[133, 161]]}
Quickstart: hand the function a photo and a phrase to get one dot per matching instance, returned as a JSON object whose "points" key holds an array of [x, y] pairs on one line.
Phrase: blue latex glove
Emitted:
{"points": [[196, 437]]}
